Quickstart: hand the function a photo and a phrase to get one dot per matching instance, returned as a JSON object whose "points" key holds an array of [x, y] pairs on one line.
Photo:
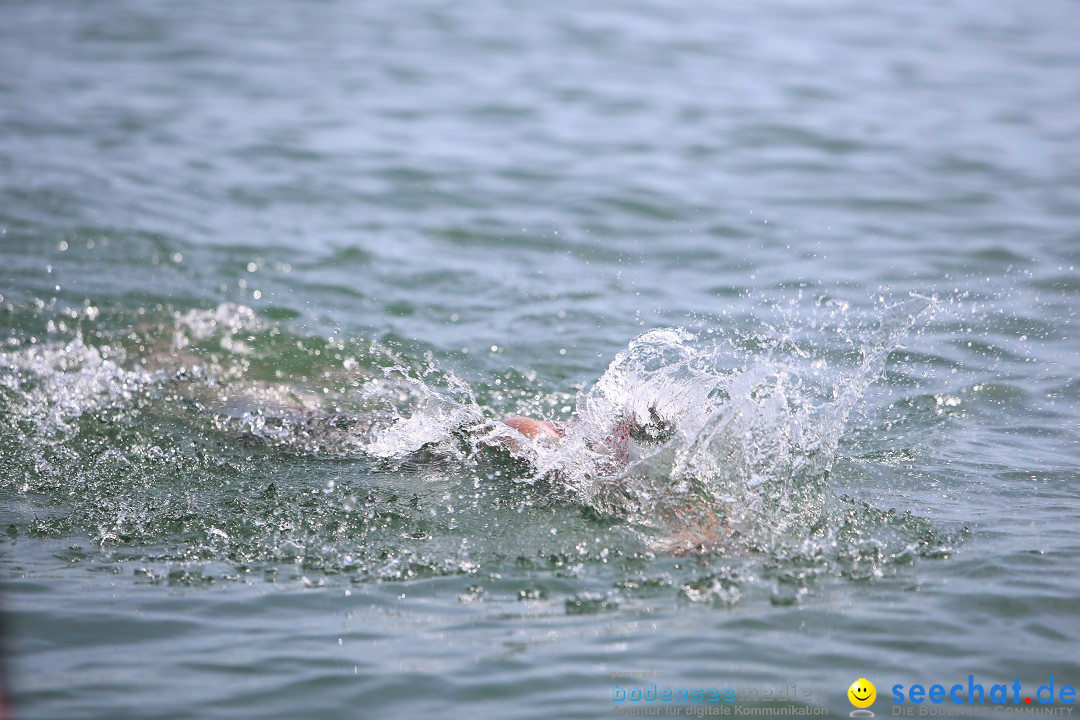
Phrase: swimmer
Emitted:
{"points": [[296, 418]]}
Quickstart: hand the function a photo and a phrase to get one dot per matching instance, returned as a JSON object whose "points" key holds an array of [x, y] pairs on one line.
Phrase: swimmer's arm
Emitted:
{"points": [[533, 429]]}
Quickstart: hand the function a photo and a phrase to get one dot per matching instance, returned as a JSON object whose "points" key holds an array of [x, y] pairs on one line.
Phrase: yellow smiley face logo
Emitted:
{"points": [[862, 693]]}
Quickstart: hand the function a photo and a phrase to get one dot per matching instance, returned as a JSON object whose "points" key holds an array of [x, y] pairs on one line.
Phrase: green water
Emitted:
{"points": [[272, 274]]}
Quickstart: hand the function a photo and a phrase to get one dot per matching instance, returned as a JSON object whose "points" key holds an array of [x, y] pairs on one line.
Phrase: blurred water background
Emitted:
{"points": [[270, 273]]}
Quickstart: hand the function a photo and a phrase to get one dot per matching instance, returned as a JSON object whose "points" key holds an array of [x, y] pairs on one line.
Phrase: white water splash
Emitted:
{"points": [[672, 439], [53, 385], [224, 323]]}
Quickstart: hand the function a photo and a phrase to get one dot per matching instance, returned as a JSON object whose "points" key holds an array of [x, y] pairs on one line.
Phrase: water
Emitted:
{"points": [[800, 280]]}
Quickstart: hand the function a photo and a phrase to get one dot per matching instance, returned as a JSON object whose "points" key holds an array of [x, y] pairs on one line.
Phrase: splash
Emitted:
{"points": [[676, 437], [51, 386], [187, 431]]}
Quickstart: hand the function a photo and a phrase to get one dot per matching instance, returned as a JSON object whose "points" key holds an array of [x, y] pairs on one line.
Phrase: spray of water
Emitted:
{"points": [[675, 438], [710, 442]]}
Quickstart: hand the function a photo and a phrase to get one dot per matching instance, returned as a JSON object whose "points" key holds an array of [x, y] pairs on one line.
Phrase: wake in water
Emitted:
{"points": [[699, 442]]}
